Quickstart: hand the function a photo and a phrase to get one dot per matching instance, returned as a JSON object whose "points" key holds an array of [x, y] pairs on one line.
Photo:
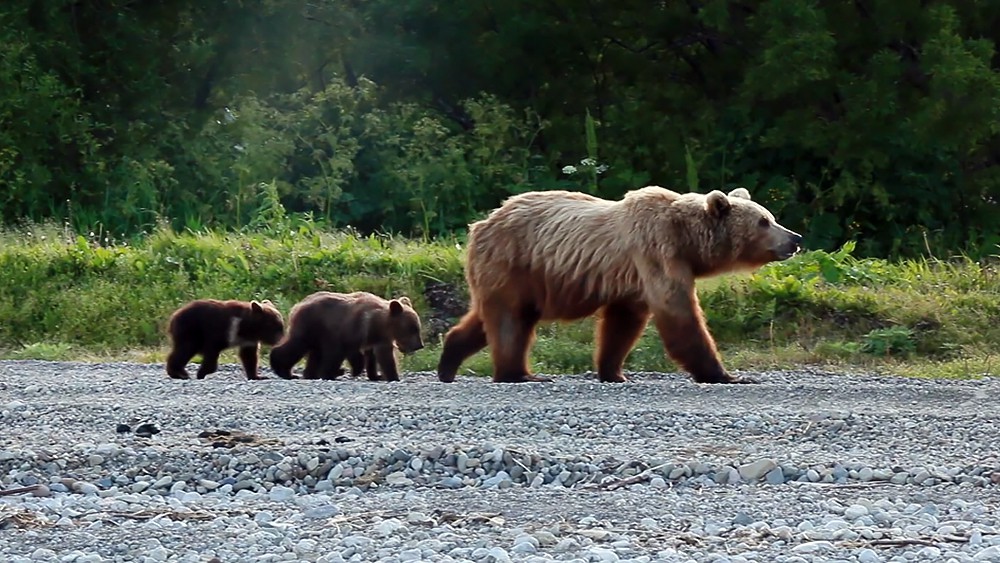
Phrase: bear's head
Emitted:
{"points": [[262, 322], [404, 325], [747, 231]]}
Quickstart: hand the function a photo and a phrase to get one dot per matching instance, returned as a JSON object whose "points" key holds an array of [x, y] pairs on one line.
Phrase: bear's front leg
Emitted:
{"points": [[249, 358], [685, 337], [385, 356], [371, 366]]}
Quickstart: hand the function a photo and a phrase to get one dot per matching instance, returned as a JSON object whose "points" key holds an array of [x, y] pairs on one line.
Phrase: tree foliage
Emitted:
{"points": [[870, 120]]}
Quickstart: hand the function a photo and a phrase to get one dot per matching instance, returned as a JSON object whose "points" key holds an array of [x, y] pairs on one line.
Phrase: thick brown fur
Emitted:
{"points": [[326, 328], [209, 326], [562, 256]]}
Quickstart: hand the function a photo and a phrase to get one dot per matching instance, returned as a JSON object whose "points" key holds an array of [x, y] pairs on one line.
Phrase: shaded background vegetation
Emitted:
{"points": [[868, 120]]}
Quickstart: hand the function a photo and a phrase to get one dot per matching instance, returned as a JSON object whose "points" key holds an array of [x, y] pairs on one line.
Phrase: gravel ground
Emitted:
{"points": [[805, 467]]}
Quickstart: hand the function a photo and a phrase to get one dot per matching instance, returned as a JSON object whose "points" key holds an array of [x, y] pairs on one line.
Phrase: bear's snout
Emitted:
{"points": [[274, 337], [411, 346], [792, 245]]}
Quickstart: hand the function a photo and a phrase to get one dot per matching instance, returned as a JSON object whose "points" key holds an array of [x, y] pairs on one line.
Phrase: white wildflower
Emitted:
{"points": [[569, 169]]}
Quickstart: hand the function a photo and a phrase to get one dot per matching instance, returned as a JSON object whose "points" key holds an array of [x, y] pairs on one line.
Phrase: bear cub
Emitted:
{"points": [[326, 328], [209, 326]]}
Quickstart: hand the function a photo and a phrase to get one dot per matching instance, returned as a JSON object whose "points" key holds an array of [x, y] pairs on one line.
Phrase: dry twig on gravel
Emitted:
{"points": [[19, 490], [637, 478]]}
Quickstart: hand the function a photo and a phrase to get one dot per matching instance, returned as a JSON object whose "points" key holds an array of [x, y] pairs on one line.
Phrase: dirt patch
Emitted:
{"points": [[447, 305]]}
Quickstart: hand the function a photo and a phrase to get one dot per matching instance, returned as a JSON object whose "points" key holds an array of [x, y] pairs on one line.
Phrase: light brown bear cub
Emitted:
{"points": [[561, 256], [209, 326], [361, 327]]}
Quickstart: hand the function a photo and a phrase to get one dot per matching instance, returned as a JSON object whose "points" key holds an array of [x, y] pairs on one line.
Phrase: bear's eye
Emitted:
{"points": [[764, 222]]}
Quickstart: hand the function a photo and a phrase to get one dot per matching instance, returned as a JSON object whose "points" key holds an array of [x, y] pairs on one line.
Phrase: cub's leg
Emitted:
{"points": [[249, 357], [178, 359], [330, 364], [314, 362], [386, 358], [209, 362], [357, 361], [371, 365]]}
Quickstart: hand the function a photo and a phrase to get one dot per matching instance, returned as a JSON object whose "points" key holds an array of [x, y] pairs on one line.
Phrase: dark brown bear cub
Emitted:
{"points": [[209, 326], [326, 328]]}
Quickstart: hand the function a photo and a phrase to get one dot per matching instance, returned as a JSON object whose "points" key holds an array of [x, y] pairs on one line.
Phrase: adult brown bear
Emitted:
{"points": [[326, 328], [560, 255], [209, 326]]}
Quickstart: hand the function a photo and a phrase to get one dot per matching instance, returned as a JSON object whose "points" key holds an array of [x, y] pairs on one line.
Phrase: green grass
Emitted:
{"points": [[71, 297]]}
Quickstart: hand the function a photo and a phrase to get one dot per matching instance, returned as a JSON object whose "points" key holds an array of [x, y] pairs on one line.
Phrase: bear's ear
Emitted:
{"points": [[717, 203], [255, 307], [395, 308], [740, 192], [405, 301]]}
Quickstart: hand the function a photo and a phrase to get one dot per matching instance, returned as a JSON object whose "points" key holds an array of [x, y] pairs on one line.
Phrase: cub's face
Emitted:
{"points": [[404, 326], [265, 322], [754, 235]]}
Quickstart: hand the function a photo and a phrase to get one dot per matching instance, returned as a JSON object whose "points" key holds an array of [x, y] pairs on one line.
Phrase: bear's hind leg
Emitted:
{"points": [[314, 359], [209, 362], [463, 340], [510, 335], [331, 362], [249, 357], [178, 359], [356, 360], [618, 328], [685, 336]]}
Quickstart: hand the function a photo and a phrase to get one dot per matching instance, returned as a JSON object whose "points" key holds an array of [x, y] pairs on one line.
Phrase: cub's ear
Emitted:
{"points": [[395, 308], [405, 301], [255, 307], [740, 192], [717, 203]]}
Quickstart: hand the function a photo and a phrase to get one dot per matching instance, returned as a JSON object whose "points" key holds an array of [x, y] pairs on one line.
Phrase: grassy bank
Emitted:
{"points": [[87, 297]]}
